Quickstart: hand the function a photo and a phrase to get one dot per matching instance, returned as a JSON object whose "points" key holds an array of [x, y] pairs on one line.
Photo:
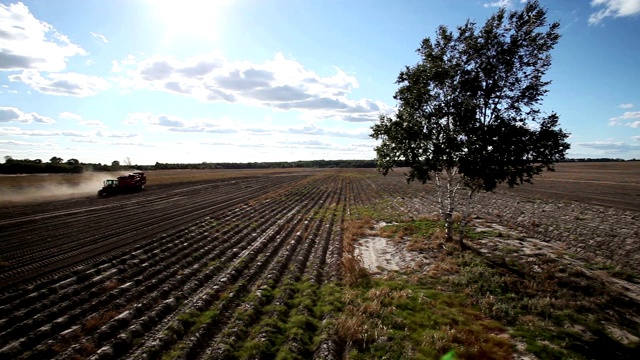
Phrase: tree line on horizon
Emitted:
{"points": [[72, 165], [58, 165]]}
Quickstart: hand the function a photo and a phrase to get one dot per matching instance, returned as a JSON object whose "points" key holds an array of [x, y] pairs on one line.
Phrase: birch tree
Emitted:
{"points": [[469, 114]]}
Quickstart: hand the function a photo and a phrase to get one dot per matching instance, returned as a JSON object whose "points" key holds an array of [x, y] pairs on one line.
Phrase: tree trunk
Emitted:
{"points": [[451, 197], [465, 216], [447, 205]]}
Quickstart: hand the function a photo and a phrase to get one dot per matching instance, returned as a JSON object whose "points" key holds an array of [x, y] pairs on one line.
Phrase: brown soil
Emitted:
{"points": [[613, 184]]}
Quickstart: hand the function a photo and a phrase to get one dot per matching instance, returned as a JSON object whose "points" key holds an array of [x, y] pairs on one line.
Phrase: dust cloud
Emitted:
{"points": [[46, 187]]}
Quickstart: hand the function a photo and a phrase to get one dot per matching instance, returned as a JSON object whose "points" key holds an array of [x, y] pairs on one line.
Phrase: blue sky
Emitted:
{"points": [[273, 80]]}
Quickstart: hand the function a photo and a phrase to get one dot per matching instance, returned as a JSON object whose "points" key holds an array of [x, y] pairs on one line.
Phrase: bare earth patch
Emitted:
{"points": [[380, 255]]}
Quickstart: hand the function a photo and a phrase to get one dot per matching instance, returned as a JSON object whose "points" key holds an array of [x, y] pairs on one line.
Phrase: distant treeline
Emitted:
{"points": [[268, 165], [596, 160], [37, 166], [59, 165]]}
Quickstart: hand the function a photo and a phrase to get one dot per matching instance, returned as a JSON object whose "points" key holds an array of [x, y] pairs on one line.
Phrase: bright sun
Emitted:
{"points": [[194, 18]]}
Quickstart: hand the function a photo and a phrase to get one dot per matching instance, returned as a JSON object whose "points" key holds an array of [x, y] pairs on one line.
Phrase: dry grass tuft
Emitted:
{"points": [[110, 286], [457, 217], [352, 266], [352, 329], [438, 238], [444, 266]]}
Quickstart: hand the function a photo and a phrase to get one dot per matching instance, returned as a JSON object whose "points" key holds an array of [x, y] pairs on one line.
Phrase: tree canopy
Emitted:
{"points": [[469, 110]]}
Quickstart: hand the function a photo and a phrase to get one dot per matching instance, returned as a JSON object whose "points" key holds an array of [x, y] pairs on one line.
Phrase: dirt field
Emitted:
{"points": [[613, 184], [200, 268]]}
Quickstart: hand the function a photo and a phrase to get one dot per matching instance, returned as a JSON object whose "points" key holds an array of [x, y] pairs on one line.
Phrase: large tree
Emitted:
{"points": [[56, 160], [468, 113]]}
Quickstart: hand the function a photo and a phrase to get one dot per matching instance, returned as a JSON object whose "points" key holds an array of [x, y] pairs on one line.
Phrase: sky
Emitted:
{"points": [[194, 81]]}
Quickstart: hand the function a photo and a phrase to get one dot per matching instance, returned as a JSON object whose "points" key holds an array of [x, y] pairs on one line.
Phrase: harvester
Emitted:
{"points": [[129, 183]]}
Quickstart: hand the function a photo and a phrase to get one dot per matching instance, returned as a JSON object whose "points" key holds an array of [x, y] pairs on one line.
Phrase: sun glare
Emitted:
{"points": [[193, 18]]}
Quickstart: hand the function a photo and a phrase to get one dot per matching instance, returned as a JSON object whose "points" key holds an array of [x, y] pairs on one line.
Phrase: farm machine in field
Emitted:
{"points": [[129, 183]]}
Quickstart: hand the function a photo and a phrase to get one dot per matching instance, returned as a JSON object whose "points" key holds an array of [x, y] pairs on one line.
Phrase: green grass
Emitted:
{"points": [[301, 320], [558, 311], [424, 229], [544, 308], [193, 319], [396, 319]]}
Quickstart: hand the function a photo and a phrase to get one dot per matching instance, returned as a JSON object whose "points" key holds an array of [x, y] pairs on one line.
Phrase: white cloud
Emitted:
{"points": [[28, 43], [625, 106], [231, 126], [11, 114], [17, 143], [613, 8], [307, 143], [78, 118], [63, 84], [115, 67], [499, 3], [91, 123], [102, 133], [280, 84], [629, 115], [69, 115], [177, 124], [637, 138], [610, 146], [85, 140], [14, 131], [314, 130], [100, 36], [132, 143]]}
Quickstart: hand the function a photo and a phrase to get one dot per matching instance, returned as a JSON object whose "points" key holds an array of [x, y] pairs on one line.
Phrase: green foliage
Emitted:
{"points": [[471, 104], [28, 166], [55, 160]]}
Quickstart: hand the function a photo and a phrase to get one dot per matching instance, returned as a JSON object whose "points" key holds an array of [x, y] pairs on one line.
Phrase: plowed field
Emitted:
{"points": [[186, 270]]}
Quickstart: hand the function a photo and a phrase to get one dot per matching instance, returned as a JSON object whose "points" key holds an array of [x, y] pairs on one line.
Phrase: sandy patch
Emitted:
{"points": [[381, 255]]}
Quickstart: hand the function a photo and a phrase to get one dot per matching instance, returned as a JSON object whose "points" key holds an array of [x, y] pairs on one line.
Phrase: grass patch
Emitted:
{"points": [[193, 319], [425, 229], [557, 314], [396, 319], [624, 274], [294, 329], [614, 271], [557, 311]]}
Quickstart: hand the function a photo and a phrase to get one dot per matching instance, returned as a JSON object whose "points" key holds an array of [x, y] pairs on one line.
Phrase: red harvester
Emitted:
{"points": [[132, 182]]}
